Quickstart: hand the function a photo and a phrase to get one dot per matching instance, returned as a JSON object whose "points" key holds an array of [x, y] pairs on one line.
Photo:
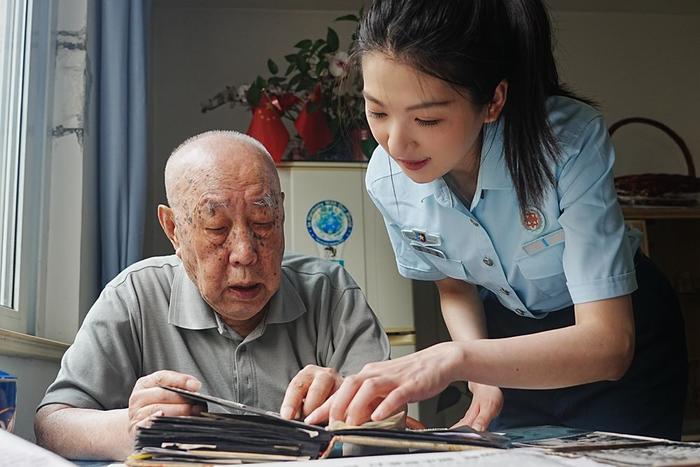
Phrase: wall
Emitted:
{"points": [[637, 65], [196, 50], [33, 377], [632, 63], [635, 58]]}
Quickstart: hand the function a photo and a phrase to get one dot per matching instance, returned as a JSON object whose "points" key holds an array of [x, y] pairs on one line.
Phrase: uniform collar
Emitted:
{"points": [[188, 309], [493, 173]]}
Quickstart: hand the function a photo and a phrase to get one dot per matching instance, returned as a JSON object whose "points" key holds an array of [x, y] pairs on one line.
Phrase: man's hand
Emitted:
{"points": [[147, 400], [487, 402], [310, 388]]}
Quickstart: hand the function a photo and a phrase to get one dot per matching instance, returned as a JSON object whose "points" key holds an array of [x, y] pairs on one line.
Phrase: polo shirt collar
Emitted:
{"points": [[285, 305], [188, 309]]}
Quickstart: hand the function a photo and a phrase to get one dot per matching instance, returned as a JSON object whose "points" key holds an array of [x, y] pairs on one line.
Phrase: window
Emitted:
{"points": [[13, 21], [26, 64]]}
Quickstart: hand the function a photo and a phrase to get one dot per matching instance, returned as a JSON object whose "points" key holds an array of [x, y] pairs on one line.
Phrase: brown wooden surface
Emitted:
{"points": [[660, 212]]}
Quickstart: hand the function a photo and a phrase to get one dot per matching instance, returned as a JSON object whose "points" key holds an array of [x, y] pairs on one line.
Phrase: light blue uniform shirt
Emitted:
{"points": [[575, 248]]}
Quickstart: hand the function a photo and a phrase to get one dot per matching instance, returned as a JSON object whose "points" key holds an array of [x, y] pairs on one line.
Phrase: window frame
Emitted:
{"points": [[31, 196]]}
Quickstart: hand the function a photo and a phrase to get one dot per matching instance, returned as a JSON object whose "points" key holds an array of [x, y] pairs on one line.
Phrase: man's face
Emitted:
{"points": [[231, 238]]}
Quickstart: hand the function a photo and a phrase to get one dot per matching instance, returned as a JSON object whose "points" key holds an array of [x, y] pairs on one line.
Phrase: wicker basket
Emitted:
{"points": [[659, 189]]}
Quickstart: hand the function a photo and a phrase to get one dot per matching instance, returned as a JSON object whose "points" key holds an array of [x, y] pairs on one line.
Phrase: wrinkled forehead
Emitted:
{"points": [[256, 198]]}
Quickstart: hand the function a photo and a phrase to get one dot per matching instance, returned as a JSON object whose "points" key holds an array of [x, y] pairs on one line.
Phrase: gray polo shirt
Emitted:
{"points": [[152, 317]]}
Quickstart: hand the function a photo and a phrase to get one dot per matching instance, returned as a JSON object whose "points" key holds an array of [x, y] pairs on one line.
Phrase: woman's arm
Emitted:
{"points": [[462, 309], [463, 312], [599, 346]]}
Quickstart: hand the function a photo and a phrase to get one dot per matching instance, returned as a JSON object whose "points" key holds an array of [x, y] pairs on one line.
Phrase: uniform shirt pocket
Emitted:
{"points": [[544, 269]]}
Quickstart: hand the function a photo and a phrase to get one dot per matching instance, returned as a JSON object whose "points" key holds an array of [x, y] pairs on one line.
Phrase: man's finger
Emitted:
{"points": [[168, 410], [156, 395], [168, 378], [321, 388], [294, 395]]}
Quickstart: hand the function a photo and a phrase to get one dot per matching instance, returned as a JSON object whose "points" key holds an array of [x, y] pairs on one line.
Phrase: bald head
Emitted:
{"points": [[226, 223], [209, 157]]}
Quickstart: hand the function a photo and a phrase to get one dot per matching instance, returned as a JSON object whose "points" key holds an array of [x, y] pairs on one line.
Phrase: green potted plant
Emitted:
{"points": [[317, 92]]}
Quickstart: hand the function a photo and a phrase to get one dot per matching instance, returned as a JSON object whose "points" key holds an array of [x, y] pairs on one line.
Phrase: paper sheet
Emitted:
{"points": [[485, 458], [18, 451]]}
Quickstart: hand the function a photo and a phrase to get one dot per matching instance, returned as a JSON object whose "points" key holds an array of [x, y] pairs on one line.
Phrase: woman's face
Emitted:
{"points": [[424, 124]]}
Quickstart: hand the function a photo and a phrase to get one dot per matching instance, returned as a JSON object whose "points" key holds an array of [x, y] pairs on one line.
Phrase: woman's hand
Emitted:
{"points": [[310, 388], [487, 402], [383, 388]]}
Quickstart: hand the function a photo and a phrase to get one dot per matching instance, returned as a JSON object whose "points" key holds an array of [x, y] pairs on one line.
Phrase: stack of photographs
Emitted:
{"points": [[254, 435], [607, 448]]}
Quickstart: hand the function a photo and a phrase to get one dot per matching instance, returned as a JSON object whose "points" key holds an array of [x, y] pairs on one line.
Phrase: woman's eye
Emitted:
{"points": [[427, 122], [216, 230], [376, 114]]}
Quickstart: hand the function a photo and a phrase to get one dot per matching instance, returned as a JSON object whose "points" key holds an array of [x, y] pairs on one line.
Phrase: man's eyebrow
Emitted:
{"points": [[420, 105], [266, 201]]}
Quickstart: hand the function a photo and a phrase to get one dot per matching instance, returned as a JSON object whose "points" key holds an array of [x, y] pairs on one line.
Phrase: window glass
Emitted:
{"points": [[12, 50]]}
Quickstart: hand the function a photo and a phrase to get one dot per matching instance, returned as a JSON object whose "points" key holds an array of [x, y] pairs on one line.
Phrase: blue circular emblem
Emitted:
{"points": [[329, 222]]}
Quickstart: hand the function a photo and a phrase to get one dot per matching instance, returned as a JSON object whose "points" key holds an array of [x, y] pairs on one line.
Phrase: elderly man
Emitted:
{"points": [[227, 314]]}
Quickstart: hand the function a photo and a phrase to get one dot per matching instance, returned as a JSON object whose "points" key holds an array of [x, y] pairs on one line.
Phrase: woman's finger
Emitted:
{"points": [[321, 414], [343, 396], [396, 399]]}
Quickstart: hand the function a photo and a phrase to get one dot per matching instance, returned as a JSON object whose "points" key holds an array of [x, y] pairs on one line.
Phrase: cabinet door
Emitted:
{"points": [[389, 294], [306, 186], [367, 254]]}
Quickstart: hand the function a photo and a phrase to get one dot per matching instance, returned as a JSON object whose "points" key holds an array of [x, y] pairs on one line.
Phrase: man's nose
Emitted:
{"points": [[242, 248]]}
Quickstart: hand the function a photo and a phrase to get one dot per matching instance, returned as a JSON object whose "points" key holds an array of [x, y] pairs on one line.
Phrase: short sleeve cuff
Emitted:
{"points": [[419, 275], [72, 398], [602, 289]]}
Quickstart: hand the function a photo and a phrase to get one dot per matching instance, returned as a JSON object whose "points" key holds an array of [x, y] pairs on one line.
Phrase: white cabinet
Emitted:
{"points": [[367, 253]]}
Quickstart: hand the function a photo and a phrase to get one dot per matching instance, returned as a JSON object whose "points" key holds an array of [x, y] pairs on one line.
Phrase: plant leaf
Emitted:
{"points": [[332, 41], [272, 66], [347, 18], [305, 44]]}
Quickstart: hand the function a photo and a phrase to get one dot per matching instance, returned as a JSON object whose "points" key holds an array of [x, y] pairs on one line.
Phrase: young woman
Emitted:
{"points": [[497, 183]]}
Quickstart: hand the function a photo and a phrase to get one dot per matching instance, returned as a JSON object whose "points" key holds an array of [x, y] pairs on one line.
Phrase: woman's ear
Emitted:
{"points": [[497, 103]]}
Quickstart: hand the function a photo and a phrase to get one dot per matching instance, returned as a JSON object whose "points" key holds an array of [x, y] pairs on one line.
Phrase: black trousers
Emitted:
{"points": [[650, 398]]}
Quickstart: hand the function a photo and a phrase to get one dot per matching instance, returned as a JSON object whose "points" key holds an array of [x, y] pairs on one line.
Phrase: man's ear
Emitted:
{"points": [[166, 217], [497, 102]]}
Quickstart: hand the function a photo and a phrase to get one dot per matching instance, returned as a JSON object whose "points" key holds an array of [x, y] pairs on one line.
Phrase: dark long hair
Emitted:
{"points": [[473, 45]]}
